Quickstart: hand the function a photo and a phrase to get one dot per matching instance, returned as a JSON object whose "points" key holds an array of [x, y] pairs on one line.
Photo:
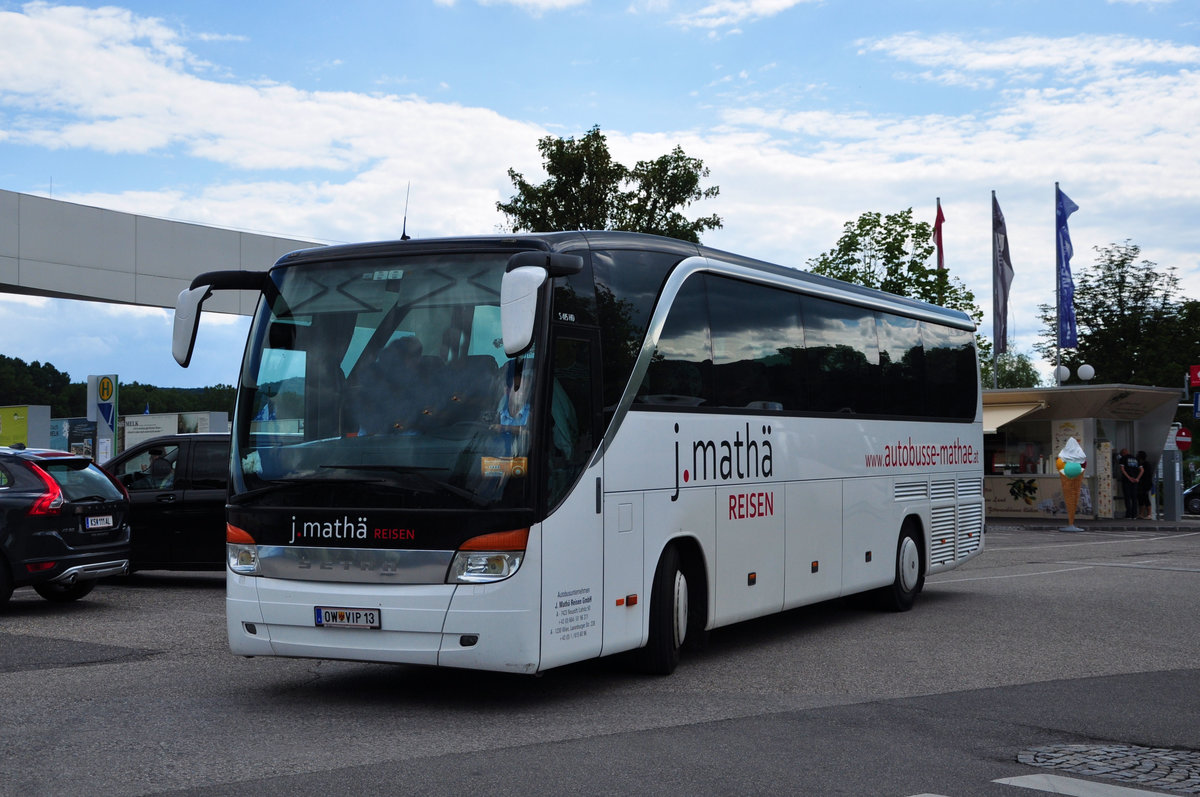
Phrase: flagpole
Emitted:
{"points": [[1057, 294], [995, 286], [938, 220]]}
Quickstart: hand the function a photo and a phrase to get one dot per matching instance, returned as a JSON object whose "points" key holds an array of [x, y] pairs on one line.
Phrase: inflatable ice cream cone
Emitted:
{"points": [[1071, 488], [1071, 463]]}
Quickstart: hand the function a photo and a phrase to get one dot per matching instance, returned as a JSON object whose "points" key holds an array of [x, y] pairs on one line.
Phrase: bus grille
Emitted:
{"points": [[942, 535], [955, 529], [911, 491], [970, 488], [943, 490], [970, 528]]}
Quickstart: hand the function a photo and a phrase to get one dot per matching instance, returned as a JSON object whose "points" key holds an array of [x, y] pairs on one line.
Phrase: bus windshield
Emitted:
{"points": [[384, 382]]}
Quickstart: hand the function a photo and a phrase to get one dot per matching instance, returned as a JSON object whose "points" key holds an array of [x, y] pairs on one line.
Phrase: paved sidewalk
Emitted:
{"points": [[1001, 523]]}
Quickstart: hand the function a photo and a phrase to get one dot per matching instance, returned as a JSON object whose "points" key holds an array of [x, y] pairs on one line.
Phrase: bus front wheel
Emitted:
{"points": [[668, 616], [910, 575]]}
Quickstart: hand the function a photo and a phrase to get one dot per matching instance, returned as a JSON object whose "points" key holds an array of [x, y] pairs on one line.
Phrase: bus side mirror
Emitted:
{"points": [[187, 321], [187, 306], [518, 306]]}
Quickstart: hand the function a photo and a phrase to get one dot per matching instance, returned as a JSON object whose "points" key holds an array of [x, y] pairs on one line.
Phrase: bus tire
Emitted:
{"points": [[910, 573], [668, 616]]}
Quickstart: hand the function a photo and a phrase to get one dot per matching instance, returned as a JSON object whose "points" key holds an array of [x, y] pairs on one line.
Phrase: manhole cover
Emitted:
{"points": [[1162, 768]]}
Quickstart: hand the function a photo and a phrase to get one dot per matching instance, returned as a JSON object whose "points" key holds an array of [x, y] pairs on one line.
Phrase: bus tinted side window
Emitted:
{"points": [[575, 295], [737, 345], [627, 286], [842, 357], [680, 374], [902, 365], [758, 346], [951, 384]]}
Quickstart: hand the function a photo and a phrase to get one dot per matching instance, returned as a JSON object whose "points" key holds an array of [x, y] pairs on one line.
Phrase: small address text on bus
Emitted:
{"points": [[907, 454]]}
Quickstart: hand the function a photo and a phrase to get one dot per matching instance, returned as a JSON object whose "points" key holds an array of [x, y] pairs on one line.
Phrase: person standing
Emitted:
{"points": [[1145, 485], [1131, 474]]}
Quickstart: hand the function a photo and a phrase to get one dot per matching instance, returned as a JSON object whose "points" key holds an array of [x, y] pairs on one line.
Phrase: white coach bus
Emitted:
{"points": [[515, 452]]}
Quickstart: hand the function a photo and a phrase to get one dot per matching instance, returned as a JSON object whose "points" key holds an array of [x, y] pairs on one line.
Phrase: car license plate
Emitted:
{"points": [[333, 617], [97, 522]]}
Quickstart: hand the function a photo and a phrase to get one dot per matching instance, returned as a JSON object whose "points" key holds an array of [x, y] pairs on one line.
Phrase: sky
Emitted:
{"points": [[318, 121]]}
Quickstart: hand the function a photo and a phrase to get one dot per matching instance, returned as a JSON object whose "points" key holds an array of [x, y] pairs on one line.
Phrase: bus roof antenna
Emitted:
{"points": [[404, 236]]}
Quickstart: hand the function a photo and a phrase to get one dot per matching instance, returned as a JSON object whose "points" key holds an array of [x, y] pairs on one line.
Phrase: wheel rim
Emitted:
{"points": [[909, 564], [681, 608]]}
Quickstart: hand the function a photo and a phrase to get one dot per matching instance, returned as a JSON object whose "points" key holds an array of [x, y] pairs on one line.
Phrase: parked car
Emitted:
{"points": [[176, 486], [1191, 499], [63, 524]]}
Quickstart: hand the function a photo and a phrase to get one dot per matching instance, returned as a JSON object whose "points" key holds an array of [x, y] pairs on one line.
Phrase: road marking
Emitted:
{"points": [[1138, 566], [1057, 784], [935, 580], [1128, 537]]}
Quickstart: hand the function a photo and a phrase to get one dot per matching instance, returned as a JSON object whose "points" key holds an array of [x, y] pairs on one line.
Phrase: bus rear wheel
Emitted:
{"points": [[910, 574], [668, 616]]}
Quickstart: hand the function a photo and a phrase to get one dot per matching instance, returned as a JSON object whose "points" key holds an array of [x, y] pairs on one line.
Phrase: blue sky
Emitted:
{"points": [[311, 119]]}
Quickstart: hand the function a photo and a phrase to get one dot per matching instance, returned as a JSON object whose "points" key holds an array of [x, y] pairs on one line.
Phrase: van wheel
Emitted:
{"points": [[668, 616], [910, 574], [65, 593]]}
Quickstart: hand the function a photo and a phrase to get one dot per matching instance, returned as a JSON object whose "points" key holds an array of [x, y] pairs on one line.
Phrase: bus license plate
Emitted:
{"points": [[333, 617], [97, 522]]}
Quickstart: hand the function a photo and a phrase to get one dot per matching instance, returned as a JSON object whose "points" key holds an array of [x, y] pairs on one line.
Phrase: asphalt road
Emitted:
{"points": [[1046, 657]]}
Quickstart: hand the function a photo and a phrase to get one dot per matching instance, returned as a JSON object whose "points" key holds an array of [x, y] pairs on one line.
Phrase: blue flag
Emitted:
{"points": [[1064, 207]]}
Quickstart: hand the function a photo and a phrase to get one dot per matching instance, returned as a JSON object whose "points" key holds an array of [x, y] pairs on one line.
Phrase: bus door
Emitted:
{"points": [[572, 534]]}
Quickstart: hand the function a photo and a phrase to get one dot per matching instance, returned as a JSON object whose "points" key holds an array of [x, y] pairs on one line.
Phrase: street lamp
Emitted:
{"points": [[1085, 373]]}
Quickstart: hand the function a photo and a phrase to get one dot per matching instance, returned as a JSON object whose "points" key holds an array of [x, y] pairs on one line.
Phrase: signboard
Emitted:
{"points": [[1194, 376], [142, 427], [77, 435], [102, 403], [14, 425]]}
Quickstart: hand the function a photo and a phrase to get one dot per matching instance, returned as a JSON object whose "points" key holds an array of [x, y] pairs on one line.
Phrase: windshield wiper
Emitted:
{"points": [[277, 485], [418, 475]]}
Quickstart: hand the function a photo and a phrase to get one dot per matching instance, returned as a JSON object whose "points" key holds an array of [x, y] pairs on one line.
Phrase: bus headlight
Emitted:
{"points": [[243, 559], [490, 557], [241, 552]]}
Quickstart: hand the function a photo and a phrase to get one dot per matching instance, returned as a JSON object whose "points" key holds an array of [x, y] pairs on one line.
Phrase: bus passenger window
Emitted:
{"points": [[680, 373]]}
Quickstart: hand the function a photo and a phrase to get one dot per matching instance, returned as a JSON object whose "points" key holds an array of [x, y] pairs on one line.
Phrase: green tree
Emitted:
{"points": [[33, 383], [891, 253], [42, 383], [1132, 326], [1012, 370], [588, 190], [660, 187]]}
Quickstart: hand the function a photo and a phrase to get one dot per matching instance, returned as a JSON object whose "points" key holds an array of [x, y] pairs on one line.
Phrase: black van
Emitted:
{"points": [[177, 486]]}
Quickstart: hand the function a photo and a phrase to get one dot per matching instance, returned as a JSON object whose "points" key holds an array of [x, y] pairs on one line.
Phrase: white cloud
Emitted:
{"points": [[532, 6], [1030, 57], [730, 13]]}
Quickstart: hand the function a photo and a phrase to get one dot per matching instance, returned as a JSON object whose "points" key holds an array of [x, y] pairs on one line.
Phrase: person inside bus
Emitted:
{"points": [[512, 416], [513, 413]]}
